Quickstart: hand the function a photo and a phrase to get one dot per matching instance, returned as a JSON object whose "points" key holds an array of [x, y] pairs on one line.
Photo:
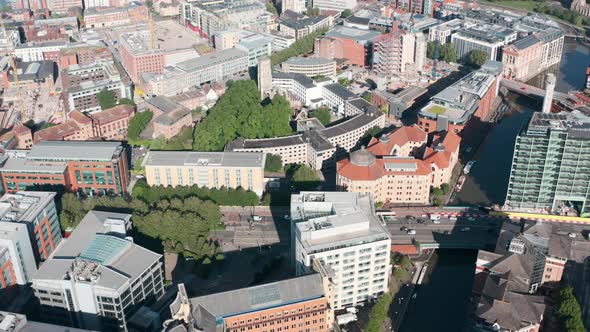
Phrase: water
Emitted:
{"points": [[442, 300], [572, 70]]}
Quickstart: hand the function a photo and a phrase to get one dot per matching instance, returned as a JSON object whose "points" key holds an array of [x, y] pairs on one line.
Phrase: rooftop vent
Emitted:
{"points": [[517, 246]]}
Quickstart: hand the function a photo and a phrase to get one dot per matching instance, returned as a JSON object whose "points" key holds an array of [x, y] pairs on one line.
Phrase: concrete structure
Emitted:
{"points": [[209, 169], [169, 117], [210, 67], [531, 55], [473, 95], [98, 278], [299, 28], [286, 305], [400, 167], [549, 89], [84, 167], [581, 7], [81, 84], [400, 102], [310, 66], [110, 124], [354, 45], [300, 88], [544, 177], [317, 147], [257, 46], [13, 322], [486, 38], [17, 261], [338, 5], [32, 75], [392, 52], [264, 77], [340, 233], [280, 40], [442, 32], [297, 6], [39, 51]]}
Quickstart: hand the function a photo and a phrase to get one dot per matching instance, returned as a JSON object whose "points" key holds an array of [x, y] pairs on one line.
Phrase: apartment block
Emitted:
{"points": [[341, 232], [352, 44], [209, 169], [85, 167], [38, 51], [337, 5], [287, 305], [98, 278], [486, 38], [103, 17], [550, 165], [309, 66], [393, 52], [17, 261], [258, 46]]}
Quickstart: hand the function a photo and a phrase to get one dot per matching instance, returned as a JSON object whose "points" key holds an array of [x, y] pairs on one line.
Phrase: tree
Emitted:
{"points": [[323, 115], [430, 49], [301, 46], [448, 53], [368, 97], [305, 178], [270, 7], [106, 99], [569, 312], [369, 134], [273, 163], [437, 192], [378, 313], [345, 82], [126, 101], [346, 13], [445, 188], [138, 123], [477, 58], [48, 125]]}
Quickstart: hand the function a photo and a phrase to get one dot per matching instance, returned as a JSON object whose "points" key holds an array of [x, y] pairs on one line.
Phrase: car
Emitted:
{"points": [[256, 218], [452, 218], [411, 232], [421, 221], [403, 229], [287, 217], [434, 216], [572, 235], [471, 219], [139, 176], [410, 217], [465, 229], [436, 221]]}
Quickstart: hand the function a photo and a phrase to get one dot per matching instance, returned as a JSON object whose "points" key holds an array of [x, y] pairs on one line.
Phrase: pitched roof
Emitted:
{"points": [[382, 167], [442, 148], [400, 137]]}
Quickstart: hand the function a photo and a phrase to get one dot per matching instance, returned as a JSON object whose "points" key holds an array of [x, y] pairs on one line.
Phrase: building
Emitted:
{"points": [[489, 39], [32, 75], [400, 102], [13, 322], [581, 7], [212, 67], [392, 52], [401, 167], [83, 55], [110, 124], [531, 55], [547, 179], [169, 117], [17, 261], [84, 167], [81, 84], [297, 6], [210, 169], [300, 88], [338, 5], [34, 51], [471, 96], [317, 147], [354, 45], [336, 96], [257, 46], [442, 32], [283, 304], [280, 40], [310, 66], [98, 278], [106, 17], [264, 77], [341, 233], [300, 28]]}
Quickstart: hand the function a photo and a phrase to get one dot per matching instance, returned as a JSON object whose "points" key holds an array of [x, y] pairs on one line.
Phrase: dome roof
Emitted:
{"points": [[362, 157]]}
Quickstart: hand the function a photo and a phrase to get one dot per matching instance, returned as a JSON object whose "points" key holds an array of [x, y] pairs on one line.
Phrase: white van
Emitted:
{"points": [[434, 216], [256, 218]]}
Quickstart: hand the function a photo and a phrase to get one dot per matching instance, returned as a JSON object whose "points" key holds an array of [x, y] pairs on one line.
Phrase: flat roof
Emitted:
{"points": [[191, 158], [207, 60], [352, 33], [308, 61], [340, 91], [23, 206], [74, 150]]}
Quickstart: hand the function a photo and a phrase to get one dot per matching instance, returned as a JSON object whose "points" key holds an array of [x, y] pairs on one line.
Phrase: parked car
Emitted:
{"points": [[256, 218], [403, 229], [411, 232]]}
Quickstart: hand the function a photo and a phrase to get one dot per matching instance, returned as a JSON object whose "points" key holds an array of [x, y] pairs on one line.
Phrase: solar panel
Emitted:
{"points": [[264, 295]]}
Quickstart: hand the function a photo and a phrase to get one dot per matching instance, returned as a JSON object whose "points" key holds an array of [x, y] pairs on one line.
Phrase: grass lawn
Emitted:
{"points": [[436, 109], [526, 4]]}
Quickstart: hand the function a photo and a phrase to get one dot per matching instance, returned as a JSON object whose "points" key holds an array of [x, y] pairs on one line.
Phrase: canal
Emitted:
{"points": [[442, 301]]}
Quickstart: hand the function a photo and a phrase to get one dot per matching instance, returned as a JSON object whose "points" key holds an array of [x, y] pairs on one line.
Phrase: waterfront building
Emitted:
{"points": [[209, 169], [98, 278], [340, 232], [550, 164], [79, 166], [354, 45], [291, 304], [471, 96]]}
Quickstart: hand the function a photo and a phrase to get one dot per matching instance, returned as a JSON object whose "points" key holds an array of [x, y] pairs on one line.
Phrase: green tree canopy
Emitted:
{"points": [[304, 177], [270, 7], [477, 58], [346, 13], [273, 163], [323, 115], [345, 82], [126, 101], [106, 99], [48, 125], [138, 123], [448, 53], [378, 314], [568, 311], [238, 113], [301, 46]]}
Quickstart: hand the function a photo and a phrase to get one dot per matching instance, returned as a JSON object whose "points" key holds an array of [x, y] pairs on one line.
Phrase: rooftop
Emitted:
{"points": [[358, 35], [340, 91], [189, 158], [328, 220], [13, 322], [170, 36], [74, 150], [210, 59], [303, 23], [576, 125], [23, 206], [308, 61]]}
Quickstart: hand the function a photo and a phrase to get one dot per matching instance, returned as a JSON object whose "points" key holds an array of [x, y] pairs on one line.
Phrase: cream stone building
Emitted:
{"points": [[208, 169]]}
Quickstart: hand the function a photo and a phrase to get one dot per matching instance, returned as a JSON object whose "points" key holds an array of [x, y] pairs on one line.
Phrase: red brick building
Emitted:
{"points": [[87, 167], [354, 45]]}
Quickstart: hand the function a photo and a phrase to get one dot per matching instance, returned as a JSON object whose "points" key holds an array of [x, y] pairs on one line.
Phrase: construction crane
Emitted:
{"points": [[21, 104]]}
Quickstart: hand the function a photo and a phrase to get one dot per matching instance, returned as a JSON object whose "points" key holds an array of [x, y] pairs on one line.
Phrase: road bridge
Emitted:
{"points": [[531, 91]]}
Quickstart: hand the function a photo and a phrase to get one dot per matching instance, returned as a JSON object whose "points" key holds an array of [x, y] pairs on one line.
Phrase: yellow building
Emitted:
{"points": [[208, 169]]}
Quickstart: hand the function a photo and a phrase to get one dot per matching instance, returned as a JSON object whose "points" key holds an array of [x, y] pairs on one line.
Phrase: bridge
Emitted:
{"points": [[531, 91]]}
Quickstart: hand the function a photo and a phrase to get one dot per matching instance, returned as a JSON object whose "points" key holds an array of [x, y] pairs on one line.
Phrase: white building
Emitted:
{"points": [[96, 3], [98, 277], [297, 6], [257, 46], [341, 230], [443, 31], [33, 51], [16, 255], [338, 5], [489, 39], [300, 87], [335, 96]]}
